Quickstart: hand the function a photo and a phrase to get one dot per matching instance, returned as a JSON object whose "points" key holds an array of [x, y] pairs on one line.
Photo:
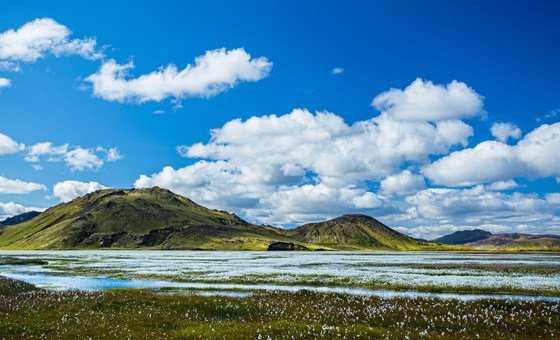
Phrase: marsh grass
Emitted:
{"points": [[15, 261], [26, 312], [317, 281]]}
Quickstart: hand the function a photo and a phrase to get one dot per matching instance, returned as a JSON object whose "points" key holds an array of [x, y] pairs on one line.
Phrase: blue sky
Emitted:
{"points": [[109, 131]]}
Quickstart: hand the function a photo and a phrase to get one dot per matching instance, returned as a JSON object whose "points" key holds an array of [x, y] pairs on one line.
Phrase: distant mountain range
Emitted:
{"points": [[464, 236], [485, 240], [19, 218], [156, 218]]}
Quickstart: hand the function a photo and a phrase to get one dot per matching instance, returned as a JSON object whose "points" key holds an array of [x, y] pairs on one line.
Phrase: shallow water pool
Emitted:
{"points": [[341, 272]]}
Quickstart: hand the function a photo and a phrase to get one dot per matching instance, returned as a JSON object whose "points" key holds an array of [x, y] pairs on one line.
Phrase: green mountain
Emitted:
{"points": [[464, 236], [156, 218], [356, 232], [135, 218]]}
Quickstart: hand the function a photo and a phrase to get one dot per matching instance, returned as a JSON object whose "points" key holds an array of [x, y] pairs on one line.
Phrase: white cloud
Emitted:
{"points": [[68, 190], [424, 101], [300, 204], [212, 73], [403, 183], [262, 165], [82, 159], [505, 131], [489, 161], [37, 38], [8, 145], [324, 144], [5, 82], [304, 166], [535, 156], [553, 198], [45, 149], [16, 186], [540, 149], [502, 185], [76, 158], [113, 154], [11, 209], [337, 70], [435, 203], [9, 66], [430, 232]]}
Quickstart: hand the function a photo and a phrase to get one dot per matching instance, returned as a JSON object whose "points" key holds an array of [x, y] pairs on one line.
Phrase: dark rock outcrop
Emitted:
{"points": [[286, 246]]}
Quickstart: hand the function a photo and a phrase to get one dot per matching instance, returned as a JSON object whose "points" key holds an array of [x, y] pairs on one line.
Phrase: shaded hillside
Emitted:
{"points": [[357, 232], [20, 218], [464, 236]]}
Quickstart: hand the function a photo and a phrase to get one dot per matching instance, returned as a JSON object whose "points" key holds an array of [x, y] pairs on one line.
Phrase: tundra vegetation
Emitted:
{"points": [[28, 312]]}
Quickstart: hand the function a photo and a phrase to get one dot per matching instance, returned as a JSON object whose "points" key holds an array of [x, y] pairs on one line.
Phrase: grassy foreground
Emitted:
{"points": [[27, 312]]}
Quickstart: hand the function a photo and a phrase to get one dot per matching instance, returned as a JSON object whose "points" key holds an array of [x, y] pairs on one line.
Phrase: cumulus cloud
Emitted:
{"points": [[40, 37], [9, 66], [5, 82], [539, 148], [68, 190], [425, 101], [11, 209], [325, 145], [16, 186], [502, 185], [298, 204], [80, 159], [303, 166], [505, 131], [211, 73], [45, 149], [489, 161], [113, 154], [76, 158], [438, 203], [535, 156], [8, 145], [403, 183], [337, 70], [264, 164]]}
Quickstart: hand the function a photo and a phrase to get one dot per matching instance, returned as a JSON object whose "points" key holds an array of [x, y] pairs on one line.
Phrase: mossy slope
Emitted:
{"points": [[359, 232]]}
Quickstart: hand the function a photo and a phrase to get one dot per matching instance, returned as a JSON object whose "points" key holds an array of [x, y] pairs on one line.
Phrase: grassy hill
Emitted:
{"points": [[357, 232], [135, 218], [156, 218]]}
